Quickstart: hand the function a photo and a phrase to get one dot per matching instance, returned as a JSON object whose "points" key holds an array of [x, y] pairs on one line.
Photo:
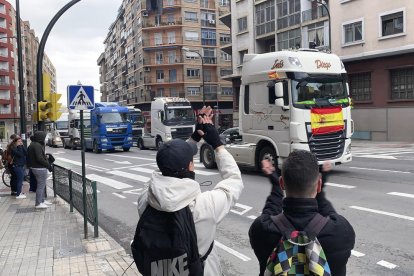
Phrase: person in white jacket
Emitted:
{"points": [[172, 193]]}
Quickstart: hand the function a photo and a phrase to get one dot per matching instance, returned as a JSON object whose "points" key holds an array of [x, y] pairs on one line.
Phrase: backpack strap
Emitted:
{"points": [[316, 225], [204, 258], [283, 224]]}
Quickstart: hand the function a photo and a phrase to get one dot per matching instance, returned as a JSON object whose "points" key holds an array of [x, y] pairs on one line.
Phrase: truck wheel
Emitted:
{"points": [[126, 149], [140, 144], [208, 157], [158, 143], [267, 153], [95, 148]]}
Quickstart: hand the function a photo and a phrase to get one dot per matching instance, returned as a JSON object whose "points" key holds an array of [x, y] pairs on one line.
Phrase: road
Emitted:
{"points": [[375, 192]]}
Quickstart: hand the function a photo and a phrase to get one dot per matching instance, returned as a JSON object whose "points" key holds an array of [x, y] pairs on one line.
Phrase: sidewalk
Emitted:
{"points": [[51, 241]]}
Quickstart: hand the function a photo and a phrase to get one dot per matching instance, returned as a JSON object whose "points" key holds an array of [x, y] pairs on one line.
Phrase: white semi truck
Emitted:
{"points": [[171, 118], [58, 131], [291, 100]]}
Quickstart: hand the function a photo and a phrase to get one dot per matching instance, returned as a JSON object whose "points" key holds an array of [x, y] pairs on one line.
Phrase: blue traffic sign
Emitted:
{"points": [[81, 97]]}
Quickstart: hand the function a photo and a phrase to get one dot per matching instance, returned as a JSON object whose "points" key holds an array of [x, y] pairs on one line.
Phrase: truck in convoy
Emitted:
{"points": [[58, 131], [171, 118], [291, 100], [137, 121], [105, 127]]}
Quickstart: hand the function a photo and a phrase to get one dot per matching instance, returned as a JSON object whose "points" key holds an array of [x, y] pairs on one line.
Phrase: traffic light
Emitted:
{"points": [[43, 110], [55, 106]]}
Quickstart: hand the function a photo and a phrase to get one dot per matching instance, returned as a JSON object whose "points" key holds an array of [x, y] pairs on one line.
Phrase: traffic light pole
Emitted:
{"points": [[40, 54], [21, 81]]}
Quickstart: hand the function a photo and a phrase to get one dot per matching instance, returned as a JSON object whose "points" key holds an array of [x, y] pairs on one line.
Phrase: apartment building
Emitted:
{"points": [[376, 44], [166, 48], [9, 83], [262, 26]]}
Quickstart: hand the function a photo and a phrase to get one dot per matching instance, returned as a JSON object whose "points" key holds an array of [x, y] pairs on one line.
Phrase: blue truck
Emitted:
{"points": [[105, 128]]}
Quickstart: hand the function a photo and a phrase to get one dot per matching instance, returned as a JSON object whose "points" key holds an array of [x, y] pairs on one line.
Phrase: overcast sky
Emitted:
{"points": [[76, 41]]}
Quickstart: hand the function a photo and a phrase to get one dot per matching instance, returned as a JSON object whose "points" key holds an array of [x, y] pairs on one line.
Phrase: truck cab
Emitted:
{"points": [[137, 121], [58, 131], [171, 118], [292, 100]]}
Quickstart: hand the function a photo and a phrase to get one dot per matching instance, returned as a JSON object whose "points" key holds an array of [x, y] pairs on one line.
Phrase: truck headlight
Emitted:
{"points": [[348, 149], [104, 140], [168, 137], [57, 139]]}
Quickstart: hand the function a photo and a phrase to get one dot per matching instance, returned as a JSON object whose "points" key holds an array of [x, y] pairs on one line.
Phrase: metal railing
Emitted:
{"points": [[314, 14], [68, 185]]}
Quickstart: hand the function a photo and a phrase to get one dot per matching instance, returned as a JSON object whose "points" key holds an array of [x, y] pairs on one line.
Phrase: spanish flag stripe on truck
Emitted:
{"points": [[326, 120]]}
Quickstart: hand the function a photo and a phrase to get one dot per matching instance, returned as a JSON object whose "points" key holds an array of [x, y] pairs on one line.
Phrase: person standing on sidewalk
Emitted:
{"points": [[8, 163], [18, 154], [32, 181], [39, 164]]}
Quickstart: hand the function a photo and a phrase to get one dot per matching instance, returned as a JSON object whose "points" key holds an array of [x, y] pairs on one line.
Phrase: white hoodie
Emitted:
{"points": [[209, 208]]}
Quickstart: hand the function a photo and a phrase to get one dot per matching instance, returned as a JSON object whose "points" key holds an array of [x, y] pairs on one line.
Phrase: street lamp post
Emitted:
{"points": [[322, 2], [185, 49]]}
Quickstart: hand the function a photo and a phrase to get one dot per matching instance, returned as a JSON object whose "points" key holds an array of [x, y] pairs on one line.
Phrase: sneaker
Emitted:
{"points": [[41, 206], [21, 196], [47, 202]]}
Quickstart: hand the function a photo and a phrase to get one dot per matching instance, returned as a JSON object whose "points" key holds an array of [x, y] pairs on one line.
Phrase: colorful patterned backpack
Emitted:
{"points": [[298, 252]]}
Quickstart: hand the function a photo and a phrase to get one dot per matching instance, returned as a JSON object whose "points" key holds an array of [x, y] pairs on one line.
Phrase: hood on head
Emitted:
{"points": [[39, 136]]}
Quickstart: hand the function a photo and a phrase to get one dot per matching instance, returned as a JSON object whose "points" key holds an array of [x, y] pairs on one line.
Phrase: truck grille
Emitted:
{"points": [[182, 133], [122, 130], [117, 141], [328, 146]]}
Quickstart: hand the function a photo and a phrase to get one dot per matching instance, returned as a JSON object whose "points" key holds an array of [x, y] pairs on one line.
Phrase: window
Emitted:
{"points": [[160, 92], [158, 58], [226, 72], [224, 3], [316, 33], [158, 38], [353, 32], [191, 35], [225, 39], [208, 37], [288, 13], [160, 75], [242, 24], [171, 37], [360, 86], [172, 58], [392, 24], [228, 91], [193, 91], [225, 56], [174, 92], [209, 55], [265, 18], [402, 84], [208, 19], [193, 73], [190, 16], [241, 55], [289, 39]]}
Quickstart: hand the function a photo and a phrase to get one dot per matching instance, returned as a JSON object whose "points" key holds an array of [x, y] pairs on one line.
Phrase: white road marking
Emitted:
{"points": [[401, 194], [144, 170], [252, 217], [387, 264], [398, 152], [119, 162], [382, 213], [232, 251], [133, 166], [340, 185], [377, 156], [244, 208], [357, 254], [132, 176], [371, 169], [133, 157], [134, 191], [135, 203], [118, 195], [95, 168], [108, 181]]}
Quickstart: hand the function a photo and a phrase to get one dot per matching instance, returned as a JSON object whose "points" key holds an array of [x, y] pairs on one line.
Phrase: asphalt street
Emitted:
{"points": [[375, 192]]}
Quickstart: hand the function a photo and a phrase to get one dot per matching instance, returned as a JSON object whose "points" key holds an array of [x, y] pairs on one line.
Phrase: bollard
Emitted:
{"points": [[70, 191], [95, 209], [54, 181]]}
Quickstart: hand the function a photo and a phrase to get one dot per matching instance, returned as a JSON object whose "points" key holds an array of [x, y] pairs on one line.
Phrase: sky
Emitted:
{"points": [[76, 40]]}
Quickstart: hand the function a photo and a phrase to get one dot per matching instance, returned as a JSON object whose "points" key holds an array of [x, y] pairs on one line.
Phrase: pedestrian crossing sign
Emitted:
{"points": [[80, 97]]}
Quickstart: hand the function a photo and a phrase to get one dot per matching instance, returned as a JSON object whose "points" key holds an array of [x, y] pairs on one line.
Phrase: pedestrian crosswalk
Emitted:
{"points": [[399, 153]]}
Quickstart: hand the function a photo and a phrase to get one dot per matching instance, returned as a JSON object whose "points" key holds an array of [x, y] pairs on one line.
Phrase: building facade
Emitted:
{"points": [[376, 44], [262, 26], [166, 48], [9, 83]]}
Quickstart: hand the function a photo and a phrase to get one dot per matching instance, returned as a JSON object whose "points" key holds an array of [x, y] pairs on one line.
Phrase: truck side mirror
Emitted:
{"points": [[279, 90]]}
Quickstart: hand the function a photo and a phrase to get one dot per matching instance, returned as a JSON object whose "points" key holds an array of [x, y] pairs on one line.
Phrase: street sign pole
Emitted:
{"points": [[85, 223]]}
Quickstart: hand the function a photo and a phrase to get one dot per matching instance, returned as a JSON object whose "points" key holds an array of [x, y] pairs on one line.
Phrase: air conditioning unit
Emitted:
{"points": [[212, 21], [147, 69], [145, 13]]}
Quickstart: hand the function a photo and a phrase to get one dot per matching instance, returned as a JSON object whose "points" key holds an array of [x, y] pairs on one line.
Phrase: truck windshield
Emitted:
{"points": [[321, 90], [61, 124], [113, 118], [136, 119], [179, 116]]}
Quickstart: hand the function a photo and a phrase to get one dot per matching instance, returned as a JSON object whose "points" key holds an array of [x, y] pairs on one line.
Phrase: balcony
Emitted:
{"points": [[226, 46], [170, 41], [165, 22], [208, 4], [288, 21], [225, 15], [211, 23], [210, 60], [164, 61], [171, 3], [165, 80], [210, 96], [314, 14]]}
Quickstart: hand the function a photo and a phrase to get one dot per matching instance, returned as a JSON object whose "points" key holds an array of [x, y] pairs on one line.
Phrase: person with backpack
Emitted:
{"points": [[18, 161], [39, 164], [177, 225], [301, 233], [8, 161]]}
